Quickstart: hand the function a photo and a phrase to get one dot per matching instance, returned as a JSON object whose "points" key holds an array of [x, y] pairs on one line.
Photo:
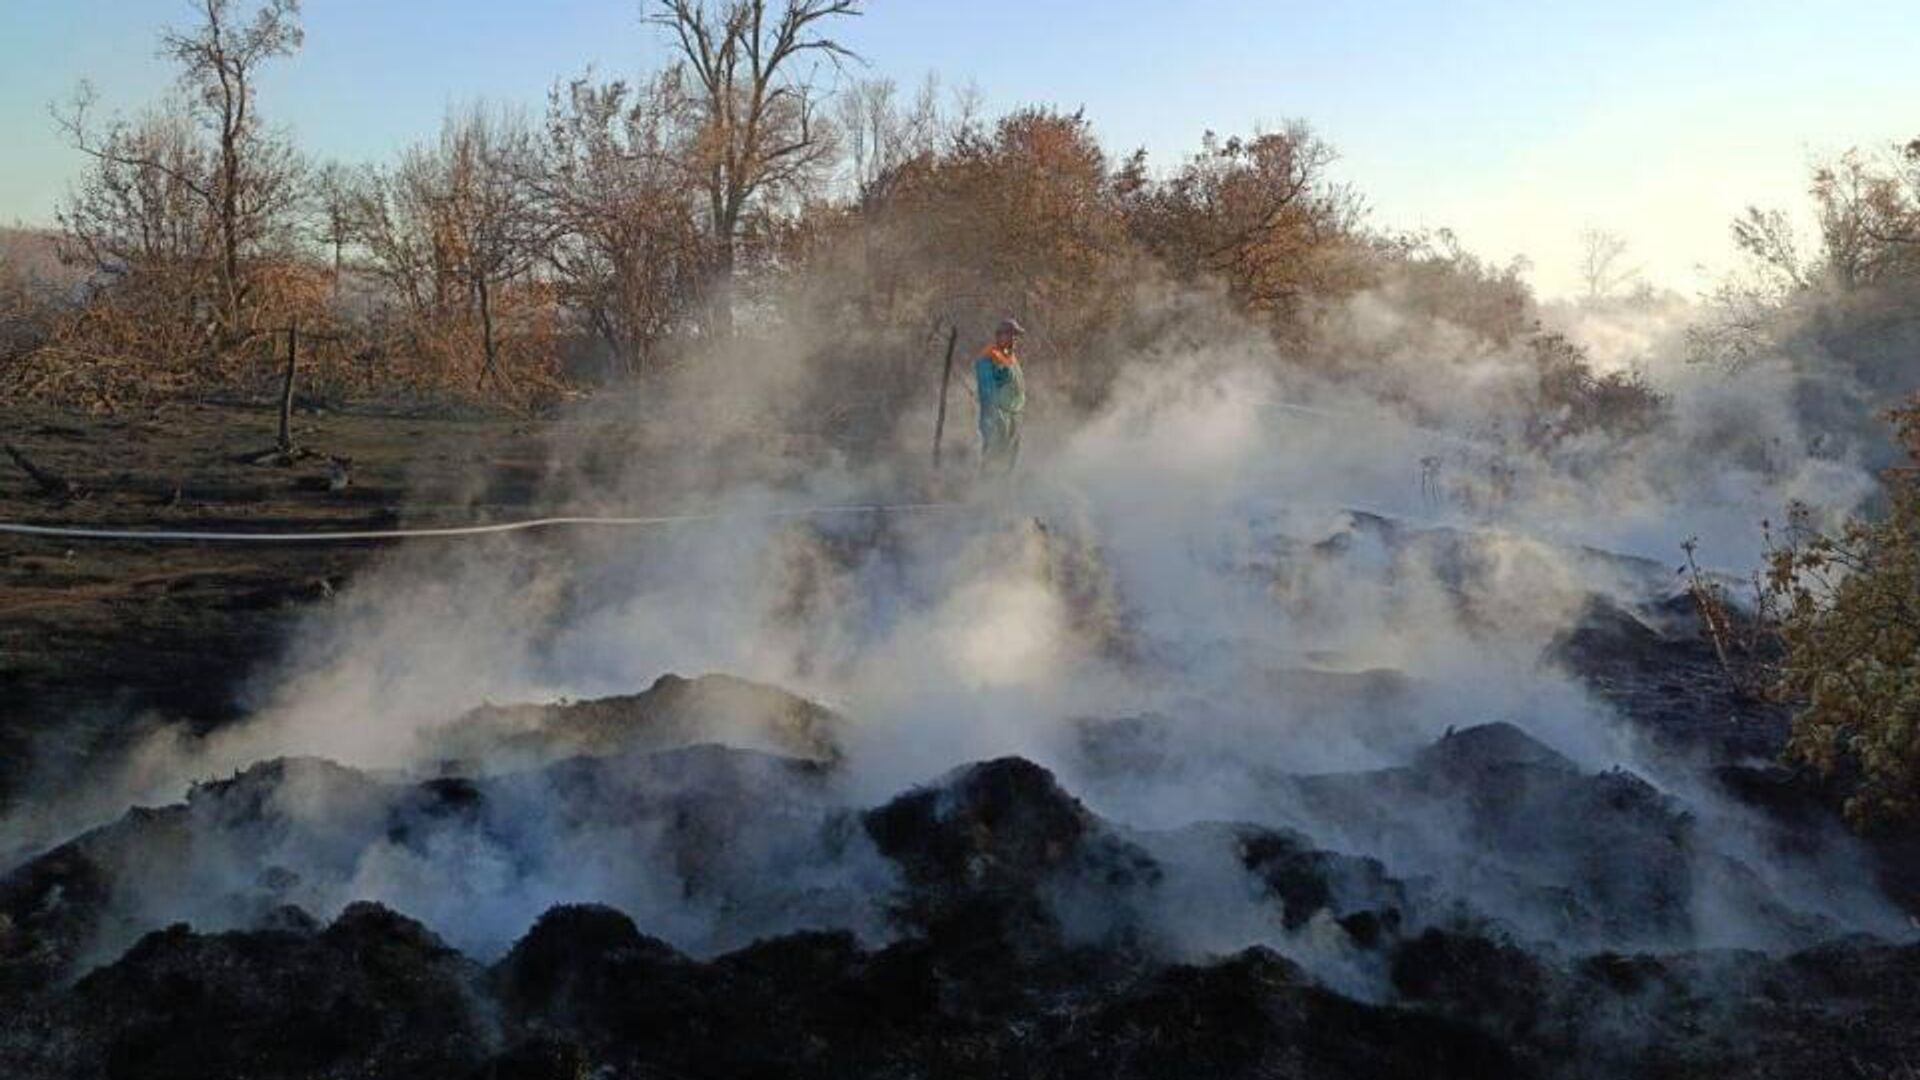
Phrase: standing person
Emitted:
{"points": [[1003, 394]]}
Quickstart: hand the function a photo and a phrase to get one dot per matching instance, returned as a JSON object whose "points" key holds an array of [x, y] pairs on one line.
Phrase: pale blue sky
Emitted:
{"points": [[1516, 123]]}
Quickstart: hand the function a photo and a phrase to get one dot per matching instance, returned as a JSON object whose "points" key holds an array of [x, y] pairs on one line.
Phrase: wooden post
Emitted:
{"points": [[286, 388], [946, 377]]}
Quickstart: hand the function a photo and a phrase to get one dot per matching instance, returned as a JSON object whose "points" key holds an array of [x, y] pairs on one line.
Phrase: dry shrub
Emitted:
{"points": [[109, 352], [1571, 399], [26, 314], [113, 351], [129, 344], [442, 356], [1850, 621]]}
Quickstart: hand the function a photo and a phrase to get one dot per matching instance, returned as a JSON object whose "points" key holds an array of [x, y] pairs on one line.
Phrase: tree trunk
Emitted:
{"points": [[720, 304], [488, 345], [286, 388], [230, 213]]}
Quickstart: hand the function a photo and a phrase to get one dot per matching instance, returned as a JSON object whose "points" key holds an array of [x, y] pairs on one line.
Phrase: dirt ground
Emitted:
{"points": [[93, 635]]}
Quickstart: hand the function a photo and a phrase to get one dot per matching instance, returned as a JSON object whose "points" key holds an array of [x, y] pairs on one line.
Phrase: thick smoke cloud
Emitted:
{"points": [[1266, 570]]}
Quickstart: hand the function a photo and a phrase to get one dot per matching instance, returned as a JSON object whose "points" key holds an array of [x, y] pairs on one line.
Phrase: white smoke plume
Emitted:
{"points": [[1273, 565]]}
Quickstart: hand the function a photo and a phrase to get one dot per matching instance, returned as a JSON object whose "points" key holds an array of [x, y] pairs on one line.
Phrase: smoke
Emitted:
{"points": [[1277, 575], [1791, 424]]}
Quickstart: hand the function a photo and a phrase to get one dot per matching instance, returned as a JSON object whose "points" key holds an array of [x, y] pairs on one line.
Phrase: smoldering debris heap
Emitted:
{"points": [[1285, 863], [673, 712], [631, 900]]}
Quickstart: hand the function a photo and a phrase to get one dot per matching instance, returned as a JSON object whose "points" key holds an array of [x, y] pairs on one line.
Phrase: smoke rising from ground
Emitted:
{"points": [[1278, 575]]}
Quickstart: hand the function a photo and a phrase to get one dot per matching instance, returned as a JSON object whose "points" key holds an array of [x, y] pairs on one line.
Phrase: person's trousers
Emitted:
{"points": [[999, 442]]}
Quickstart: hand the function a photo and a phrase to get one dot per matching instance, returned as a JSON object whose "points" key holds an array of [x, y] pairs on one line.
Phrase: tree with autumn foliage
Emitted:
{"points": [[1017, 218], [1259, 214], [1848, 604]]}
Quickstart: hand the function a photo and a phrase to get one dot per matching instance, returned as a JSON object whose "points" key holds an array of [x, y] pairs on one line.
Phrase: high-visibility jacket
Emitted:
{"points": [[1002, 385]]}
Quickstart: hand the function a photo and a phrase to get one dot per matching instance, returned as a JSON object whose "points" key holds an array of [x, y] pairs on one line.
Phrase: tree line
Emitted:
{"points": [[757, 186]]}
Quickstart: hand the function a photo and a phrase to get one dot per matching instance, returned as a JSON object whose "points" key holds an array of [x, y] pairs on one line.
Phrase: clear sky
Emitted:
{"points": [[1516, 122]]}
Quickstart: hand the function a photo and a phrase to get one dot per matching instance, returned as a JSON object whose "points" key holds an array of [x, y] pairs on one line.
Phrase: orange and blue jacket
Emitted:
{"points": [[1003, 387]]}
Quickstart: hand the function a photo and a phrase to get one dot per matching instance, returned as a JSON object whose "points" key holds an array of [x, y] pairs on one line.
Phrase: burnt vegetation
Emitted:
{"points": [[1472, 904]]}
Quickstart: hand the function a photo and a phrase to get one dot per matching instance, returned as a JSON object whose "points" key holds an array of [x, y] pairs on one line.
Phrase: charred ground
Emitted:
{"points": [[985, 922], [96, 637], [983, 970]]}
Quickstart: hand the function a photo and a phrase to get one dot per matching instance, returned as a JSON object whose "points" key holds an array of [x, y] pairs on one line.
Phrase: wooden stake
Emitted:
{"points": [[946, 376]]}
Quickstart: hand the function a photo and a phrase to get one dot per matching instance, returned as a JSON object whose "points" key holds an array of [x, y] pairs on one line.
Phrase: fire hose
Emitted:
{"points": [[67, 532], [71, 532]]}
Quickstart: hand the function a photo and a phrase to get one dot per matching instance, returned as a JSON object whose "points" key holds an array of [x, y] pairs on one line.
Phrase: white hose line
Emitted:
{"points": [[64, 532]]}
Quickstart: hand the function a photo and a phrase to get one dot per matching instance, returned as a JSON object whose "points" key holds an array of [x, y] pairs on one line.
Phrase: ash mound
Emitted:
{"points": [[673, 712], [1487, 908]]}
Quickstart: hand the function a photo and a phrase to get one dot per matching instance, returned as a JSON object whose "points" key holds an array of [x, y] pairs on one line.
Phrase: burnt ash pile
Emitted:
{"points": [[988, 923], [672, 712]]}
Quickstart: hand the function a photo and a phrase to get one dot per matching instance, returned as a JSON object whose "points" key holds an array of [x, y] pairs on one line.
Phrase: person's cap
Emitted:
{"points": [[1010, 325]]}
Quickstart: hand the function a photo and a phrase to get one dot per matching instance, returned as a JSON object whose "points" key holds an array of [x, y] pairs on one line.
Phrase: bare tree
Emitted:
{"points": [[617, 191], [138, 220], [881, 133], [250, 178], [501, 236], [391, 219], [255, 183], [455, 224], [333, 217], [760, 135], [1602, 273], [1767, 238]]}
